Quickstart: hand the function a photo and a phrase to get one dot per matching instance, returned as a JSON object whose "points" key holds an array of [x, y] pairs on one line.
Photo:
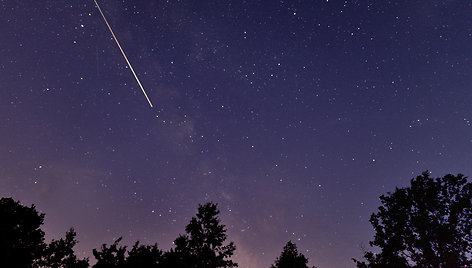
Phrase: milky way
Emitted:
{"points": [[294, 116]]}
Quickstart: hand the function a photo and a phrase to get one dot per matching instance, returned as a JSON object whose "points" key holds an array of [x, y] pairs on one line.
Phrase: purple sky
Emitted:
{"points": [[294, 116]]}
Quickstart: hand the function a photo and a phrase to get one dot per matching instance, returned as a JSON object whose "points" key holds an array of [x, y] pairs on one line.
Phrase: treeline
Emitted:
{"points": [[428, 224], [22, 245]]}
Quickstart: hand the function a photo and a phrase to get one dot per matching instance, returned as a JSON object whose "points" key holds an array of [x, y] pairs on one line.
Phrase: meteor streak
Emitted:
{"points": [[122, 52]]}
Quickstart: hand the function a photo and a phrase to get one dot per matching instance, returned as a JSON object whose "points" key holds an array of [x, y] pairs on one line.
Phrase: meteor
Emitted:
{"points": [[122, 52]]}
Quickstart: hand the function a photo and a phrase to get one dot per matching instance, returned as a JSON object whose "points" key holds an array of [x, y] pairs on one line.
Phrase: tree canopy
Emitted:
{"points": [[112, 256], [290, 258], [115, 256], [22, 244], [427, 224], [22, 240], [60, 253], [202, 246]]}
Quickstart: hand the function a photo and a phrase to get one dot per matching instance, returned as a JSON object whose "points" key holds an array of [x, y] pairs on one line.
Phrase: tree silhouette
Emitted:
{"points": [[428, 224], [290, 258], [109, 257], [117, 257], [60, 253], [21, 239], [22, 244], [202, 246], [144, 256]]}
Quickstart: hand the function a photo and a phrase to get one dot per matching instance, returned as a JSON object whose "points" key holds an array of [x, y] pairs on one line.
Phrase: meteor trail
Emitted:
{"points": [[122, 52]]}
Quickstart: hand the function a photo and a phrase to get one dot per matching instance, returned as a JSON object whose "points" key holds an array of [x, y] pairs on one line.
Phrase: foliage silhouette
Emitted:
{"points": [[112, 256], [22, 240], [60, 253], [428, 224], [117, 256], [144, 256], [290, 258], [202, 246], [22, 244]]}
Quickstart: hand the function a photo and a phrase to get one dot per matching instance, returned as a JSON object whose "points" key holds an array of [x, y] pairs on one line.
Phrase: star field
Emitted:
{"points": [[294, 116]]}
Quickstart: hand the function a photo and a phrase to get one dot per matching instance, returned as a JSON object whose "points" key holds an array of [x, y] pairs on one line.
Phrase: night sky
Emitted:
{"points": [[294, 116]]}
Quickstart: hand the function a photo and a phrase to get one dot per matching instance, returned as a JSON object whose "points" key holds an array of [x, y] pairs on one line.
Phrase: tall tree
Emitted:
{"points": [[428, 224], [290, 258], [21, 238], [202, 246]]}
